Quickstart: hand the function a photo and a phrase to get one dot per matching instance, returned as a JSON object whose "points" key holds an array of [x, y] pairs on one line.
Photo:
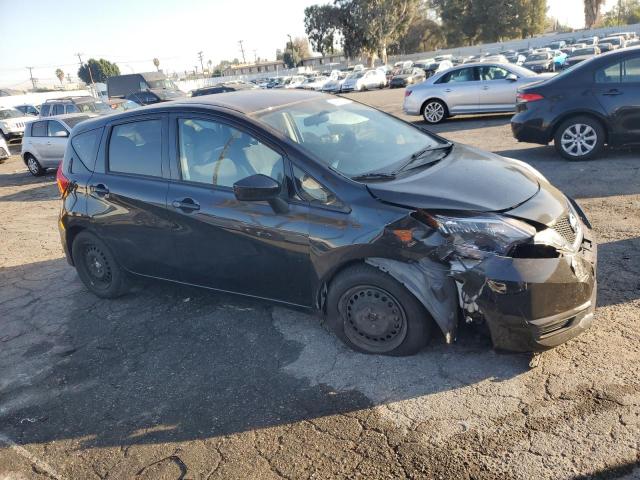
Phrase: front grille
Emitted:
{"points": [[544, 330], [563, 227]]}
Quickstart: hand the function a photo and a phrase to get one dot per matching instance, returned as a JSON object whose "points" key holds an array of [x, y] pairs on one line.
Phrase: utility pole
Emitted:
{"points": [[89, 68], [244, 60], [33, 81], [255, 56], [201, 64], [291, 45]]}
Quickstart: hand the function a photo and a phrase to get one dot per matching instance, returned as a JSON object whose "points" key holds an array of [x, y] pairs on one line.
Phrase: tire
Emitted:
{"points": [[33, 165], [97, 267], [373, 313], [587, 146], [434, 111]]}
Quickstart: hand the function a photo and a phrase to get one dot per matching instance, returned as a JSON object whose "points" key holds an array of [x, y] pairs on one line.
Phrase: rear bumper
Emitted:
{"points": [[529, 127], [537, 304]]}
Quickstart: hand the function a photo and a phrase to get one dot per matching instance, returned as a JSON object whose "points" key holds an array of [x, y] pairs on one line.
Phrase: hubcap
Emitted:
{"points": [[433, 112], [579, 140], [98, 267], [373, 319], [32, 165]]}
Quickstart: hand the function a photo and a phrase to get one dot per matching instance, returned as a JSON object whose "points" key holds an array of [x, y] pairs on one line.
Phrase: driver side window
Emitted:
{"points": [[216, 154]]}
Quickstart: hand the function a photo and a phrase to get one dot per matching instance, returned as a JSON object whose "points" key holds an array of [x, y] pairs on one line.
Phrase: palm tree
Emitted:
{"points": [[156, 62], [60, 75], [592, 12]]}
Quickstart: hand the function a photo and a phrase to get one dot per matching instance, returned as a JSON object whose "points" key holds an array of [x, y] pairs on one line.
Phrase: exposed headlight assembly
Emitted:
{"points": [[481, 236]]}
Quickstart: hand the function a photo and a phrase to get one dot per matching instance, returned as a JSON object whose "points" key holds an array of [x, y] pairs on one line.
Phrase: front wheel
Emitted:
{"points": [[97, 267], [579, 138], [434, 111], [372, 313]]}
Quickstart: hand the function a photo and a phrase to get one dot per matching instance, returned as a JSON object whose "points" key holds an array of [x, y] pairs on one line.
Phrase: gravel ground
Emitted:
{"points": [[178, 383]]}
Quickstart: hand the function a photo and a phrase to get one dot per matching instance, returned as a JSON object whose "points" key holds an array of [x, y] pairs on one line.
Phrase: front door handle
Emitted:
{"points": [[486, 87], [186, 204], [447, 90], [100, 189], [613, 92]]}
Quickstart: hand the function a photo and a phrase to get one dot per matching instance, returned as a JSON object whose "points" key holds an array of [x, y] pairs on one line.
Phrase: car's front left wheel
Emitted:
{"points": [[372, 312], [97, 267]]}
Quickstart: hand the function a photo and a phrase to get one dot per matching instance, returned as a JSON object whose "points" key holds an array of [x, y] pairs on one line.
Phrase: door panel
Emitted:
{"points": [[461, 90], [496, 92]]}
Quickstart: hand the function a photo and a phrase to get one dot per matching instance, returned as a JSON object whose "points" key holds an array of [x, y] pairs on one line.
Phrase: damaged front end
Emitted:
{"points": [[533, 284]]}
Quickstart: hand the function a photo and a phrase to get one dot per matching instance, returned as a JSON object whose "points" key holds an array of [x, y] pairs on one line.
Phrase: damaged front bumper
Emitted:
{"points": [[532, 304]]}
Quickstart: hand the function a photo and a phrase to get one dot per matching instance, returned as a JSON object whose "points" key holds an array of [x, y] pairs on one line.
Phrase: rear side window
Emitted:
{"points": [[58, 109], [85, 145], [462, 75], [136, 148], [56, 129], [627, 71], [71, 108], [39, 129], [45, 110]]}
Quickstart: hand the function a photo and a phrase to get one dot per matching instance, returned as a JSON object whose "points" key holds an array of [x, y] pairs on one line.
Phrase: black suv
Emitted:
{"points": [[322, 202], [597, 102]]}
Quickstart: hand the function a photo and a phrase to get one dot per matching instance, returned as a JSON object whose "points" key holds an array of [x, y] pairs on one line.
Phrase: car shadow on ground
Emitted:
{"points": [[25, 178], [471, 122], [42, 191], [173, 363]]}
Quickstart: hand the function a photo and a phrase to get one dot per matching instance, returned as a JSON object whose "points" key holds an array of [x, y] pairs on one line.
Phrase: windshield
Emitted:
{"points": [[349, 137], [538, 56], [10, 113], [612, 40], [164, 83], [583, 51], [87, 107]]}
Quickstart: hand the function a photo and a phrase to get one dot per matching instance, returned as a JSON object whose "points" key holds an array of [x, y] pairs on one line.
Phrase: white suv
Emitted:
{"points": [[364, 80], [12, 122]]}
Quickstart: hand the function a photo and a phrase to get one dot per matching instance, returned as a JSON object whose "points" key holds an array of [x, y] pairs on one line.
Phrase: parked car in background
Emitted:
{"points": [[364, 80], [614, 43], [557, 45], [493, 59], [633, 43], [315, 83], [4, 149], [12, 123], [424, 63], [589, 41], [402, 65], [513, 57], [28, 109], [605, 112], [540, 62], [408, 76], [390, 232], [582, 54], [437, 67], [625, 35], [144, 88], [222, 88], [45, 141], [80, 104], [469, 88], [334, 84], [122, 105]]}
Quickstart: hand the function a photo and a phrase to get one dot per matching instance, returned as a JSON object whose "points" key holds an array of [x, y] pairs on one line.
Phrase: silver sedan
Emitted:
{"points": [[469, 88]]}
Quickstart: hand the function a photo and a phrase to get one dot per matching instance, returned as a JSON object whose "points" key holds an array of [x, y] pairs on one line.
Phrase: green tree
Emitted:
{"points": [[592, 12], [371, 26], [423, 34], [294, 52], [321, 24], [100, 70], [156, 63], [60, 75], [626, 12]]}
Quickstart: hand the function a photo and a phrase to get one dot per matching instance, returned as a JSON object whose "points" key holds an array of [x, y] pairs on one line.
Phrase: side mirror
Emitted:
{"points": [[255, 188], [512, 77], [259, 187]]}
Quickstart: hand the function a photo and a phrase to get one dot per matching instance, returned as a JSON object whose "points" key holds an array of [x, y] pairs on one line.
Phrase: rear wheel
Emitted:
{"points": [[372, 313], [579, 138], [97, 267], [34, 166], [434, 111]]}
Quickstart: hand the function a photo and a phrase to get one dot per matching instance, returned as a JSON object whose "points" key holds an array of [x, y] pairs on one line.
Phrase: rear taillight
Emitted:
{"points": [[528, 97], [407, 92], [62, 181]]}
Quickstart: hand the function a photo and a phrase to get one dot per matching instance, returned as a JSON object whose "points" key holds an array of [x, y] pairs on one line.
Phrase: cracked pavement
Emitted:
{"points": [[171, 382]]}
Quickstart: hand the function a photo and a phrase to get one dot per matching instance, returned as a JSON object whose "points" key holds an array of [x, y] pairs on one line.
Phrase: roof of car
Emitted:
{"points": [[71, 98], [241, 101]]}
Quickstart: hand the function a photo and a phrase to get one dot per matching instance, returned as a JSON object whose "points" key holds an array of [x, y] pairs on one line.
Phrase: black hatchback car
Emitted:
{"points": [[322, 202], [594, 103]]}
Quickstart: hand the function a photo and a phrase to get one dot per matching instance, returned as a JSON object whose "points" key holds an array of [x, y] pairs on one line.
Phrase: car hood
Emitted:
{"points": [[465, 180], [166, 94], [19, 122]]}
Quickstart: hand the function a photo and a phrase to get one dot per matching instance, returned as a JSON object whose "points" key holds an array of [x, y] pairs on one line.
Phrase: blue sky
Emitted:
{"points": [[48, 34]]}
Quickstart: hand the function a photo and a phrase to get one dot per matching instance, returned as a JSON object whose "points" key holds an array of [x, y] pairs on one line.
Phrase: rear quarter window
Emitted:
{"points": [[39, 129], [85, 146]]}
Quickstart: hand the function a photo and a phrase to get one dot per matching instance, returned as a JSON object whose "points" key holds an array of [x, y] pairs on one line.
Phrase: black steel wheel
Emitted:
{"points": [[373, 313], [97, 267]]}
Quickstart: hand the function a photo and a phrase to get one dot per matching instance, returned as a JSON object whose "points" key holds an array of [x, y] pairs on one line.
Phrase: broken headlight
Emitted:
{"points": [[481, 236]]}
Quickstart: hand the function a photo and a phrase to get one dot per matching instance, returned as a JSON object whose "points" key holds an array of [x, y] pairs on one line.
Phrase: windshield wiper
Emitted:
{"points": [[374, 176], [421, 153]]}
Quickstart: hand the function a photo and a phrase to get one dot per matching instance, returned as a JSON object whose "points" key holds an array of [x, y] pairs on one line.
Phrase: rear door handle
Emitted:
{"points": [[613, 92], [186, 204], [100, 189]]}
